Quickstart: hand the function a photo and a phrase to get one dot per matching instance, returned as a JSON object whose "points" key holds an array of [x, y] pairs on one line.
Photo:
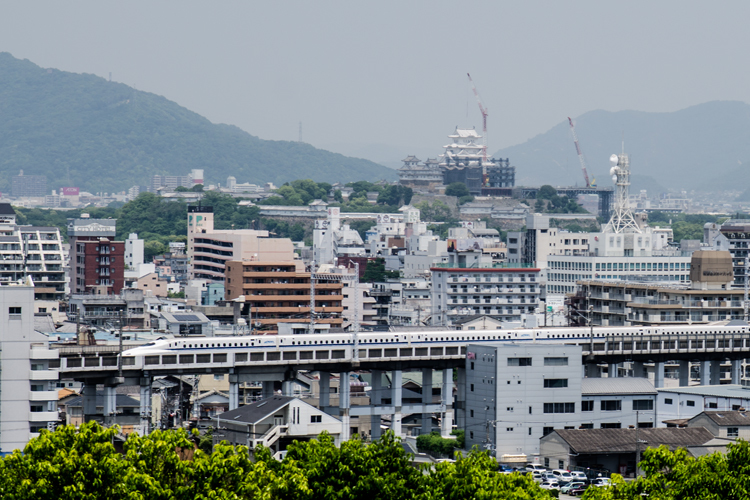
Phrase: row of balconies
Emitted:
{"points": [[494, 290]]}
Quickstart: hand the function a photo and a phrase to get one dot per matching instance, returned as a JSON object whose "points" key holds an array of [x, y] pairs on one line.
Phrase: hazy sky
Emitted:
{"points": [[387, 79]]}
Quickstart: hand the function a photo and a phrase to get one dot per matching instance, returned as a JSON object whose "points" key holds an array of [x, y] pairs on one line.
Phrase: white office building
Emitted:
{"points": [[28, 392]]}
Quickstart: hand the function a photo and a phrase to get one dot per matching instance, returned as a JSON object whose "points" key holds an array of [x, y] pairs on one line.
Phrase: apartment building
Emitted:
{"points": [[279, 292], [705, 297], [28, 378], [35, 252], [470, 284], [96, 259], [539, 241], [209, 249]]}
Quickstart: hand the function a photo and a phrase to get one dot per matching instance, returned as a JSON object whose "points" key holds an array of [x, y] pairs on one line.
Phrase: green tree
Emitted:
{"points": [[338, 196], [457, 189], [546, 192], [380, 470], [153, 248], [375, 271]]}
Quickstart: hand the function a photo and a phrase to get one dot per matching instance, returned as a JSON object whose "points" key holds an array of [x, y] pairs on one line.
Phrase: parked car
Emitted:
{"points": [[578, 491], [548, 476], [536, 476], [505, 469], [570, 486], [579, 476], [535, 468], [601, 481], [562, 474], [549, 485]]}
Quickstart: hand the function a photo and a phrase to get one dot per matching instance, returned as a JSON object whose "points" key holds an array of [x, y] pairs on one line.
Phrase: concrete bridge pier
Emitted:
{"points": [[593, 370], [639, 370], [267, 390], [344, 405], [715, 372], [88, 395], [396, 392], [234, 392], [659, 374], [426, 399], [705, 373], [324, 386], [375, 398], [446, 402], [145, 427], [110, 404], [684, 373], [612, 370], [287, 388]]}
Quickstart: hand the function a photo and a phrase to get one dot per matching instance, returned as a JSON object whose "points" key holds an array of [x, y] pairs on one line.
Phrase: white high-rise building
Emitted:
{"points": [[28, 392], [133, 251]]}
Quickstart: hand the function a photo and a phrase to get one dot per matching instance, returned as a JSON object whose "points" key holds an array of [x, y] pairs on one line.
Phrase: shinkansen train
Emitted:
{"points": [[229, 349]]}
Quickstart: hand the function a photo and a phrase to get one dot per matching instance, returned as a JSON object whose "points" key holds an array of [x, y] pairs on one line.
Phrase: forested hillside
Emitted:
{"points": [[81, 130]]}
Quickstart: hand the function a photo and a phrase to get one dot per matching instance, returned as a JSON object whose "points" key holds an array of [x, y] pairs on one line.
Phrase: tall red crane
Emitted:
{"points": [[578, 150], [482, 110]]}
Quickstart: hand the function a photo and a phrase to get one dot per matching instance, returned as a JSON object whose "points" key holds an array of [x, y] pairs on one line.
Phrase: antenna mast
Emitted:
{"points": [[578, 150], [482, 110]]}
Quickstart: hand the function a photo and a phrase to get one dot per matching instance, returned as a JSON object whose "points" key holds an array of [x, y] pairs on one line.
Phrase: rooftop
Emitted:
{"points": [[727, 417], [619, 385], [722, 391], [623, 440]]}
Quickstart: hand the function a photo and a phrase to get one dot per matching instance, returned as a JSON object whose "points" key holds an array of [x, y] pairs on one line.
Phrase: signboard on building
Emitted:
{"points": [[69, 191], [467, 224], [383, 218], [468, 244]]}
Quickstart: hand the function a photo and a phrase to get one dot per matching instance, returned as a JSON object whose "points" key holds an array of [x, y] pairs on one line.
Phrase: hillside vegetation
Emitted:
{"points": [[81, 130]]}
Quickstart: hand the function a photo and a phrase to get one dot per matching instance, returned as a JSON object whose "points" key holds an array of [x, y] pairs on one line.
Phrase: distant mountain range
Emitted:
{"points": [[81, 130], [704, 148]]}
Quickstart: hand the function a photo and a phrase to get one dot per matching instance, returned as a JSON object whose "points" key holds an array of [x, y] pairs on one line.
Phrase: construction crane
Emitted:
{"points": [[578, 150], [482, 110]]}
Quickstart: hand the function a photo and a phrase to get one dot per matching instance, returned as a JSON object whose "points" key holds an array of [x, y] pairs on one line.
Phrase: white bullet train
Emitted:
{"points": [[238, 348]]}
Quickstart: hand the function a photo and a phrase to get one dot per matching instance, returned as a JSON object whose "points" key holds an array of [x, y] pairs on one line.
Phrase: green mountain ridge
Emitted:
{"points": [[703, 147], [82, 130]]}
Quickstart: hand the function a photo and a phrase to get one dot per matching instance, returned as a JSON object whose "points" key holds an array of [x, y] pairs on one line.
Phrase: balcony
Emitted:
{"points": [[43, 375], [42, 353], [42, 395], [43, 416]]}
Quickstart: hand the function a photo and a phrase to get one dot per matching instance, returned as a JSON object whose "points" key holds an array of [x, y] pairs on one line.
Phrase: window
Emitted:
{"points": [[529, 431], [471, 413], [555, 361], [643, 404], [587, 426], [733, 432], [37, 408], [519, 361], [667, 401], [555, 383], [611, 405], [560, 464], [691, 403], [471, 434], [529, 410], [316, 419], [546, 462], [472, 387], [37, 387], [587, 406], [509, 408], [559, 407], [712, 405], [472, 365], [509, 429], [14, 311]]}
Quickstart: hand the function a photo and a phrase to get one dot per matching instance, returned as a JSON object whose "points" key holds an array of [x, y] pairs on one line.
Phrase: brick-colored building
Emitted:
{"points": [[279, 292], [96, 259]]}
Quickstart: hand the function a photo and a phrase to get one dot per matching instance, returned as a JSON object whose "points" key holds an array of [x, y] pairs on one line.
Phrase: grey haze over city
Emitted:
{"points": [[387, 79]]}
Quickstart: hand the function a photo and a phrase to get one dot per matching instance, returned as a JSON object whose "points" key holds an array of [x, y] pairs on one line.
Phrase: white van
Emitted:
{"points": [[535, 468]]}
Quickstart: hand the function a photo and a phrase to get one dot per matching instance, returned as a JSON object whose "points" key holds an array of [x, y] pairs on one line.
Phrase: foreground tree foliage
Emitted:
{"points": [[675, 475], [83, 464]]}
